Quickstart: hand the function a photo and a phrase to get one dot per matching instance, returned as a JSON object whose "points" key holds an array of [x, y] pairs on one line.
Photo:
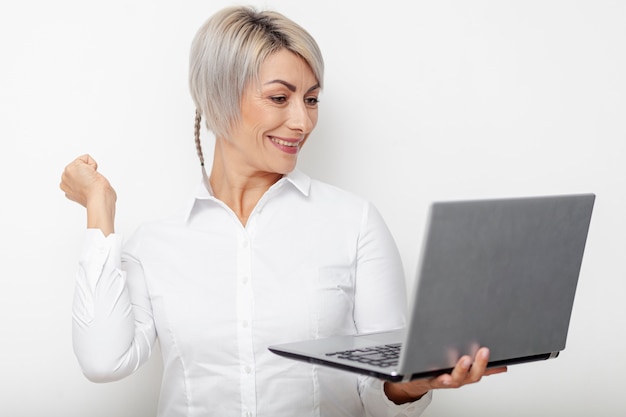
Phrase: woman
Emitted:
{"points": [[263, 255]]}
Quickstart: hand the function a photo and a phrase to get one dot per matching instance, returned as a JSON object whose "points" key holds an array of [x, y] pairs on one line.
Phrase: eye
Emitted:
{"points": [[311, 101], [278, 99]]}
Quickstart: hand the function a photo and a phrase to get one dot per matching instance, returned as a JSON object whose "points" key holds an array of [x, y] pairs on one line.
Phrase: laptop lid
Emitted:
{"points": [[500, 273], [497, 273]]}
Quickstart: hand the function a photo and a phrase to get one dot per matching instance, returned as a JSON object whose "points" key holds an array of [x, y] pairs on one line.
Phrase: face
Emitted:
{"points": [[277, 115]]}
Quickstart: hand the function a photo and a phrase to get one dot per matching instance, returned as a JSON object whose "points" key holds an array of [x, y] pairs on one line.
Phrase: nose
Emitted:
{"points": [[301, 117]]}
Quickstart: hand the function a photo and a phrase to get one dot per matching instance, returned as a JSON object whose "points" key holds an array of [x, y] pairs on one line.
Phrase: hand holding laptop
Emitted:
{"points": [[465, 372]]}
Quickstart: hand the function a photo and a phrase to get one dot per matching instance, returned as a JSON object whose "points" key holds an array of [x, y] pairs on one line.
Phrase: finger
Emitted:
{"points": [[85, 159], [76, 175], [479, 366], [457, 377], [92, 162], [63, 185], [467, 372]]}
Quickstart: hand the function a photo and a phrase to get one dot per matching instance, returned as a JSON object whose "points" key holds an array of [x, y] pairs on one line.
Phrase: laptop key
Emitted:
{"points": [[383, 356]]}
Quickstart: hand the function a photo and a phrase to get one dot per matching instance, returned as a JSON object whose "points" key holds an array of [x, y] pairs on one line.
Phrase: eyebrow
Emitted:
{"points": [[292, 87]]}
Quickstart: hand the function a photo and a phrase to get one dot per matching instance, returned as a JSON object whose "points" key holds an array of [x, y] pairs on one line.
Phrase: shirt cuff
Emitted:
{"points": [[99, 252], [94, 242], [378, 405]]}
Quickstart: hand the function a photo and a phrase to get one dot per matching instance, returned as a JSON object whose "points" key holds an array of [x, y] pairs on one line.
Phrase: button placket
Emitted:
{"points": [[244, 323]]}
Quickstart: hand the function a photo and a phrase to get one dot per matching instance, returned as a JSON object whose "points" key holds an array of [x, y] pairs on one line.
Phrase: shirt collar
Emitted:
{"points": [[296, 178]]}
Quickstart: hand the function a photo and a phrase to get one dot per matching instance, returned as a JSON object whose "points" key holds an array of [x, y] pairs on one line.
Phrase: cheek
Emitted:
{"points": [[269, 119], [313, 116]]}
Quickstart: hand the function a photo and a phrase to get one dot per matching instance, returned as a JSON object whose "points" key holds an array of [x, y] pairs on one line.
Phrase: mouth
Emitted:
{"points": [[287, 145]]}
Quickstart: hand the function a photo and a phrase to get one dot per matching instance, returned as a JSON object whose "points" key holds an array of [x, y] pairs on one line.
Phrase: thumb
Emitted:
{"points": [[87, 159]]}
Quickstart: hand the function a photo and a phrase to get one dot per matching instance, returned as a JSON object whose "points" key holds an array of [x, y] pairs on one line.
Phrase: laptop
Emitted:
{"points": [[500, 273]]}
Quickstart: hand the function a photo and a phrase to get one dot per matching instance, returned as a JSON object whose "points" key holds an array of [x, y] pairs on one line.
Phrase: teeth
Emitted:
{"points": [[284, 142]]}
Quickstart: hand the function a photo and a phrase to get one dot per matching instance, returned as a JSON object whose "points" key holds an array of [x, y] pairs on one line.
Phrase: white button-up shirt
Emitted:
{"points": [[312, 261]]}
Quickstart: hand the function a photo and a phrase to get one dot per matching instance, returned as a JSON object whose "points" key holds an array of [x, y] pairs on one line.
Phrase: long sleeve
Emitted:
{"points": [[380, 296], [113, 330], [380, 304]]}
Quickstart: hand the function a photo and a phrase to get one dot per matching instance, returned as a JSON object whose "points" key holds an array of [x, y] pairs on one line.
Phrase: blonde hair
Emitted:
{"points": [[226, 55]]}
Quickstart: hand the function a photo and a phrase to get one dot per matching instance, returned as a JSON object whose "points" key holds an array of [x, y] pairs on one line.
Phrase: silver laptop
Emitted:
{"points": [[500, 273]]}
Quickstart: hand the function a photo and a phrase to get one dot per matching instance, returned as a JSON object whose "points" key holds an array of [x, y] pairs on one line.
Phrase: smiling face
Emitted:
{"points": [[277, 115]]}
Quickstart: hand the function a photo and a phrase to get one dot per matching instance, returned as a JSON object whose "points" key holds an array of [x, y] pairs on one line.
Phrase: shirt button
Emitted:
{"points": [[244, 243], [244, 324], [248, 369], [244, 280]]}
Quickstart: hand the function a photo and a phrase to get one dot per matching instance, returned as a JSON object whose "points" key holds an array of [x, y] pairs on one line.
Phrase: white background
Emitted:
{"points": [[423, 101]]}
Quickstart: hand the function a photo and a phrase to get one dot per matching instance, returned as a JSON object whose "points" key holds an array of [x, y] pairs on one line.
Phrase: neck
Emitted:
{"points": [[238, 186]]}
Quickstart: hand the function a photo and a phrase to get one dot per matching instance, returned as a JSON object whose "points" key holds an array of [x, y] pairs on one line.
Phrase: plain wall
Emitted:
{"points": [[423, 101]]}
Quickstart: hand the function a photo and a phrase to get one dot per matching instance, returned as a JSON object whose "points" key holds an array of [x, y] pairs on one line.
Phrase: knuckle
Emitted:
{"points": [[474, 379]]}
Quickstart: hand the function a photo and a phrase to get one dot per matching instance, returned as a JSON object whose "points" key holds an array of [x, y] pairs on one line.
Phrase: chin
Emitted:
{"points": [[285, 169]]}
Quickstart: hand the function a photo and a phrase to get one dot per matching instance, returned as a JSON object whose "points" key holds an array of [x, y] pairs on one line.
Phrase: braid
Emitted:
{"points": [[196, 133]]}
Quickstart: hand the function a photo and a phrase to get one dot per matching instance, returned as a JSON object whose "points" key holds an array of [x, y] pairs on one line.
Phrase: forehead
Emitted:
{"points": [[287, 66]]}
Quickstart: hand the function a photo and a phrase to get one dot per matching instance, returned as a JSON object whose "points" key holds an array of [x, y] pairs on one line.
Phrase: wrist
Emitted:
{"points": [[101, 212], [402, 393]]}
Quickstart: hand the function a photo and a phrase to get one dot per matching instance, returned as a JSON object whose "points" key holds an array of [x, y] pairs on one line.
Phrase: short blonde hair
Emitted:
{"points": [[227, 53]]}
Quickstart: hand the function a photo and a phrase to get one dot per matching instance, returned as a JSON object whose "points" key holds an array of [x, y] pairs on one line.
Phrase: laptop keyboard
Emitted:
{"points": [[383, 356]]}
